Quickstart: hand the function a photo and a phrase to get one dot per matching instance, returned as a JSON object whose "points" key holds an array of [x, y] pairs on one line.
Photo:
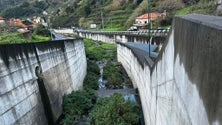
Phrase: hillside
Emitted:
{"points": [[113, 13], [106, 14], [121, 14]]}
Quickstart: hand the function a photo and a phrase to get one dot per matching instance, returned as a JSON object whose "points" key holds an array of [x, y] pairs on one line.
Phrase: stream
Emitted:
{"points": [[101, 82], [127, 91]]}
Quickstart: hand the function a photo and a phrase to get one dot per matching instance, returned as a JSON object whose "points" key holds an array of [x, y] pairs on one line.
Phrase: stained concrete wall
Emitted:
{"points": [[183, 87], [63, 64], [123, 36]]}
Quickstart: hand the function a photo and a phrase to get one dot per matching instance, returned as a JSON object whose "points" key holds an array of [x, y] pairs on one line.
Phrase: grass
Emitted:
{"points": [[184, 11], [200, 8], [39, 38], [97, 51], [15, 37], [11, 38]]}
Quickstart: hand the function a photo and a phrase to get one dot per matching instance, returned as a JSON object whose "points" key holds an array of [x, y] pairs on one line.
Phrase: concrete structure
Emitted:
{"points": [[123, 36], [183, 86], [142, 21], [63, 65]]}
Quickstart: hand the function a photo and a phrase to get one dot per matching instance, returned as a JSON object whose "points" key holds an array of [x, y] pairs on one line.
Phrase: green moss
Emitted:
{"points": [[185, 10], [38, 38]]}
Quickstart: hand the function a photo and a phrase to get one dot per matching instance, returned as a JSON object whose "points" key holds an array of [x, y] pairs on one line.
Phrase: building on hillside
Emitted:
{"points": [[142, 21], [2, 21], [36, 19], [39, 20], [16, 22]]}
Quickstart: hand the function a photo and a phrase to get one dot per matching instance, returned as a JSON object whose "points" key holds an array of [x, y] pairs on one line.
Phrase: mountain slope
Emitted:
{"points": [[106, 14]]}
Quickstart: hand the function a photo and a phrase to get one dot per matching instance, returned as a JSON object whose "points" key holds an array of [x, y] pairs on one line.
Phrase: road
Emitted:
{"points": [[57, 36], [143, 47]]}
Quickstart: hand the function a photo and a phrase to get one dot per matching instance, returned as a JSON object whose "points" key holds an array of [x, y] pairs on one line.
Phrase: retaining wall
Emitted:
{"points": [[183, 87], [63, 65]]}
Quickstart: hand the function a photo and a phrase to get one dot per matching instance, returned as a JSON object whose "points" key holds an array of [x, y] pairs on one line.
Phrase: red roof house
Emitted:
{"points": [[143, 19], [16, 22], [1, 18]]}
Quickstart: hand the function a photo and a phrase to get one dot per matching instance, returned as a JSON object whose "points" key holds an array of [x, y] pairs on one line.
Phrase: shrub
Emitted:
{"points": [[91, 81], [170, 5], [12, 37], [77, 104], [114, 111], [113, 74], [41, 30], [93, 67]]}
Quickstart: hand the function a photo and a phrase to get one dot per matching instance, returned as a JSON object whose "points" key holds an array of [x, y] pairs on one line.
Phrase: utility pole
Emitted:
{"points": [[49, 26], [102, 20], [111, 22], [149, 26]]}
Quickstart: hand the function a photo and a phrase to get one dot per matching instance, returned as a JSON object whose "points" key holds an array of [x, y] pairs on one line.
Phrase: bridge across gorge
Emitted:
{"points": [[158, 36]]}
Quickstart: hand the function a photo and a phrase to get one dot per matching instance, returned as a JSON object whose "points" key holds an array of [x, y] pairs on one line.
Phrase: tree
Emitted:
{"points": [[41, 30], [114, 111], [76, 104]]}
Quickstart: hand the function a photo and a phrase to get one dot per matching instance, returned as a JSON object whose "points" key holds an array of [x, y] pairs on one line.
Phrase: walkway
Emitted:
{"points": [[141, 52]]}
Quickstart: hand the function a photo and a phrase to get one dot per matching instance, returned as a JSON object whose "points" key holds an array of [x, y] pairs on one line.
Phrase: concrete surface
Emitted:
{"points": [[63, 64], [183, 87]]}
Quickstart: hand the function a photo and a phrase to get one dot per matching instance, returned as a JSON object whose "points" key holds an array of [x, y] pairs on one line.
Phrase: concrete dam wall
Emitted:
{"points": [[27, 100], [183, 86]]}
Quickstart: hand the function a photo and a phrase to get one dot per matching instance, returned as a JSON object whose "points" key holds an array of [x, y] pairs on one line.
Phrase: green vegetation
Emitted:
{"points": [[113, 72], [41, 30], [202, 8], [91, 79], [77, 104], [116, 14], [102, 111], [10, 36], [16, 37], [25, 9], [98, 51], [114, 111], [114, 75], [39, 38], [185, 10]]}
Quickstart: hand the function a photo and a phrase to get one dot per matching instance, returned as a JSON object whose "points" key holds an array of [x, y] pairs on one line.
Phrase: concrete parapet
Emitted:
{"points": [[183, 87]]}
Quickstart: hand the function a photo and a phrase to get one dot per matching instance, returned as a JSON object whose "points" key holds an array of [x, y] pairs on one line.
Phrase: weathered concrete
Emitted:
{"points": [[63, 65], [183, 87], [158, 36]]}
